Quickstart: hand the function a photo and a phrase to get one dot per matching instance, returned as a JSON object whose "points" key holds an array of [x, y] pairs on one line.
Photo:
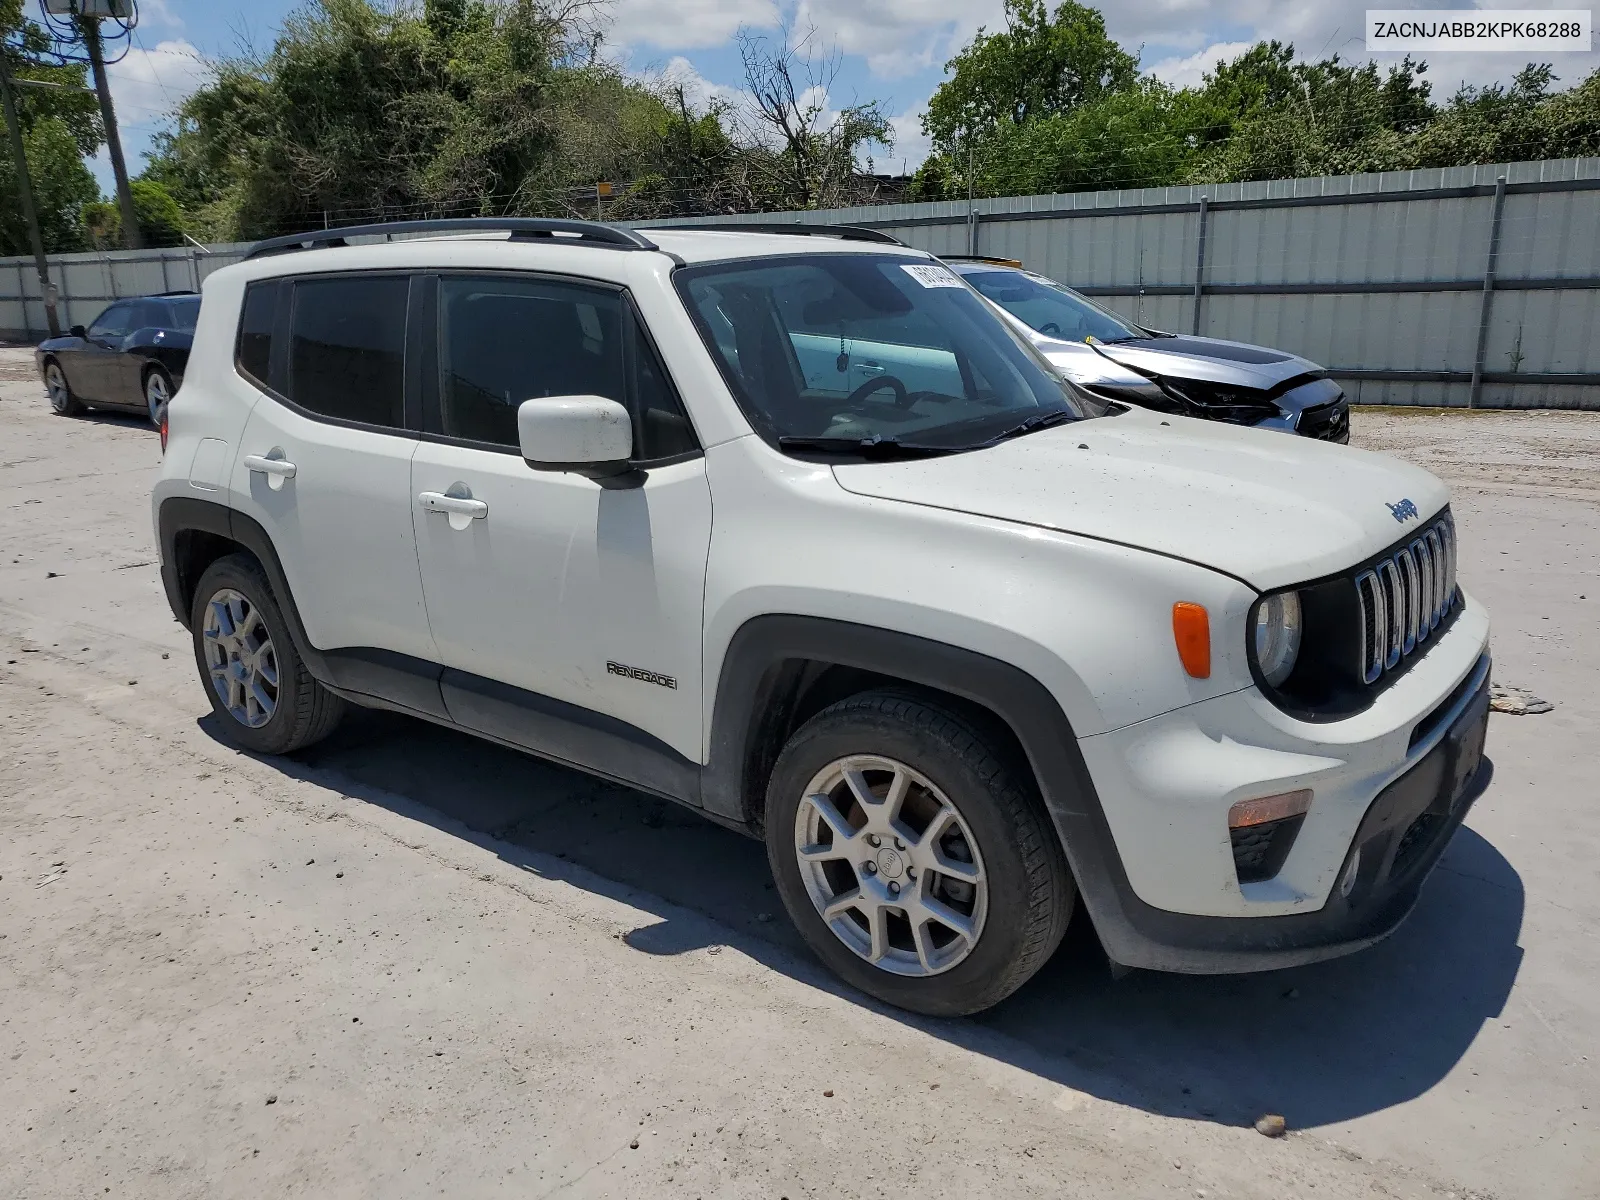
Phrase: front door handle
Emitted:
{"points": [[461, 508], [273, 465]]}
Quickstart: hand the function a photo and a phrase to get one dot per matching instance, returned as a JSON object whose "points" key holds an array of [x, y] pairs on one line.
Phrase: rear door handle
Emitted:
{"points": [[273, 465]]}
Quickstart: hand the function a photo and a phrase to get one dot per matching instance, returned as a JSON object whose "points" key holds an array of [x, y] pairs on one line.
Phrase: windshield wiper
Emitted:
{"points": [[1044, 420], [873, 446]]}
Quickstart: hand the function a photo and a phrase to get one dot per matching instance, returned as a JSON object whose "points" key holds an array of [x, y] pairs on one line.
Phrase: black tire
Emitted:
{"points": [[305, 711], [152, 410], [63, 402], [1031, 893]]}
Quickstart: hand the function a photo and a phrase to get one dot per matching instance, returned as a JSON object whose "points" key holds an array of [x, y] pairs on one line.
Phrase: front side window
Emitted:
{"points": [[504, 340], [113, 323], [870, 348], [347, 341], [1051, 308]]}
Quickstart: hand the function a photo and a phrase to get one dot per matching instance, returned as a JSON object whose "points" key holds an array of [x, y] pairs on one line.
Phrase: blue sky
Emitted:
{"points": [[889, 50]]}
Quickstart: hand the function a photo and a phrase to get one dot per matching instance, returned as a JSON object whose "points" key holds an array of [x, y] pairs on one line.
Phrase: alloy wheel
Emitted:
{"points": [[240, 659], [156, 395], [891, 865], [55, 382]]}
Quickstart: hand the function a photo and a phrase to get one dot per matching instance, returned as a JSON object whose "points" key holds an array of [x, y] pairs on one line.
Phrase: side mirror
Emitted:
{"points": [[78, 331], [588, 435]]}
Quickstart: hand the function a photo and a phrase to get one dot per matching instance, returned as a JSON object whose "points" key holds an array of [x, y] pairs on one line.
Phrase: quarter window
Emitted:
{"points": [[347, 340], [253, 354]]}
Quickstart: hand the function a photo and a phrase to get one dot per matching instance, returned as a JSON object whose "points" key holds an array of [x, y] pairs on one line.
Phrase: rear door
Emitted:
{"points": [[324, 463]]}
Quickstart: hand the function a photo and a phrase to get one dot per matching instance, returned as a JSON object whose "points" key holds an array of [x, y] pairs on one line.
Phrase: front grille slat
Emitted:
{"points": [[1402, 598]]}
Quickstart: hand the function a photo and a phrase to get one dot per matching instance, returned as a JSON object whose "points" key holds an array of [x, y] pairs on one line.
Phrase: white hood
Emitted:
{"points": [[1270, 510]]}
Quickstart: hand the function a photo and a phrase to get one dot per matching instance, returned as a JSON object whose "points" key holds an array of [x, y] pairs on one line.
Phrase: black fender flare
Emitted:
{"points": [[745, 692], [184, 514]]}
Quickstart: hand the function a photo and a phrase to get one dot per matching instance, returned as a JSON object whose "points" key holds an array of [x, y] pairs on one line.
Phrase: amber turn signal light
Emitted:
{"points": [[1269, 808], [1191, 629]]}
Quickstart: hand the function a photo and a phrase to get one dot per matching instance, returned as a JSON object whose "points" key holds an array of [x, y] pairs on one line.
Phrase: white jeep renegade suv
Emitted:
{"points": [[796, 531]]}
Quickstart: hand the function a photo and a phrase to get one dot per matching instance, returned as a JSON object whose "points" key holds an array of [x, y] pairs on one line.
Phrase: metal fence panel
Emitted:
{"points": [[1381, 278]]}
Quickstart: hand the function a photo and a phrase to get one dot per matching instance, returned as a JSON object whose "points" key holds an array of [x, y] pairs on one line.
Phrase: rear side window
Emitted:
{"points": [[347, 340], [184, 314], [253, 353]]}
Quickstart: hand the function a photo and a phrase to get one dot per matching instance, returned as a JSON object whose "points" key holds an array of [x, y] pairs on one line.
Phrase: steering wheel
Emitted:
{"points": [[902, 398], [1051, 328]]}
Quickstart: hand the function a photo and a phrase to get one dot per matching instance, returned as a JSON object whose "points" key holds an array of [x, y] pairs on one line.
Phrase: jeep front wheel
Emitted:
{"points": [[914, 861]]}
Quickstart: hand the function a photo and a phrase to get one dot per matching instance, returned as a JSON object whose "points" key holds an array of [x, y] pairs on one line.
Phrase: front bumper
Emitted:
{"points": [[1163, 888]]}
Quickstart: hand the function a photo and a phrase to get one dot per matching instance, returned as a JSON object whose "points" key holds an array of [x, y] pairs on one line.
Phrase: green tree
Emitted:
{"points": [[160, 219], [59, 129], [1042, 64]]}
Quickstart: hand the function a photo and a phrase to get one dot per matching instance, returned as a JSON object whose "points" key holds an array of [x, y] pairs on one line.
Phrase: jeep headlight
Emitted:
{"points": [[1275, 632]]}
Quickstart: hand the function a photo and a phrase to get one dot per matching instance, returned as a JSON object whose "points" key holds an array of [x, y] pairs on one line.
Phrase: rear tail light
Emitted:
{"points": [[163, 431]]}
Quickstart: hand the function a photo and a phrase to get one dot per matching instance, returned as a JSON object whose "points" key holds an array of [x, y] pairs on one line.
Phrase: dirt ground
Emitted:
{"points": [[406, 963]]}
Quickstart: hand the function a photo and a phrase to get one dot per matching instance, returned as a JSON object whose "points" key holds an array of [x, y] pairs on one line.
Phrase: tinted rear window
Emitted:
{"points": [[347, 341]]}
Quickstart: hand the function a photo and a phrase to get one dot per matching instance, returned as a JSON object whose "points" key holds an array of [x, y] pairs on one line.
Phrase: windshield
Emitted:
{"points": [[1052, 308], [871, 348], [185, 313]]}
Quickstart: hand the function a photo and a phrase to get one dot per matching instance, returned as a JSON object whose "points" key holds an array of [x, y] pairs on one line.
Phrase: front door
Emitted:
{"points": [[324, 463], [92, 371], [550, 594]]}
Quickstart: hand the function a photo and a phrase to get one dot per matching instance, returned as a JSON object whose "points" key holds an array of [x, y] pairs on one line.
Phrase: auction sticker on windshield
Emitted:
{"points": [[931, 276]]}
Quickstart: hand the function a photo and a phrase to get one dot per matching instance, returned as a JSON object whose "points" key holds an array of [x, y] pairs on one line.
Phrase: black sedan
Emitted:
{"points": [[131, 357]]}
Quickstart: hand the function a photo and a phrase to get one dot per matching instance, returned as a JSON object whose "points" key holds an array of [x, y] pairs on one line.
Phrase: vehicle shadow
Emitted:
{"points": [[1319, 1044]]}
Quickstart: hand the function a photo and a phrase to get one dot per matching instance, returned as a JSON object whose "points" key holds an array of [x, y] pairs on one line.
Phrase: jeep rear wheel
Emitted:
{"points": [[257, 683], [913, 860]]}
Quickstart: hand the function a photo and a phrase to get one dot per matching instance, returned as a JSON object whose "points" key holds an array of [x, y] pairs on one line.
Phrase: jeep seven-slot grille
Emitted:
{"points": [[1404, 597]]}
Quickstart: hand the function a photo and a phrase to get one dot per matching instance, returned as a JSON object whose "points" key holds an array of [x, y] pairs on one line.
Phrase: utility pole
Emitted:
{"points": [[108, 114], [30, 212]]}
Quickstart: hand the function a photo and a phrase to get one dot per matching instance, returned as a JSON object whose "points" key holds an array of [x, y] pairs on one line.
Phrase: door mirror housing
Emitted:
{"points": [[588, 435], [78, 331]]}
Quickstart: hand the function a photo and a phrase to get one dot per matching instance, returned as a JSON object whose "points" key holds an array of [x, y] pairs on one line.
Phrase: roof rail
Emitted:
{"points": [[591, 233], [988, 258], [848, 233]]}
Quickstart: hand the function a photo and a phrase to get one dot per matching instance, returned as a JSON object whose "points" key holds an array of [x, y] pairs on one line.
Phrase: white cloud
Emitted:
{"points": [[147, 85], [161, 12], [911, 145], [897, 37], [697, 89], [1186, 72], [687, 24]]}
